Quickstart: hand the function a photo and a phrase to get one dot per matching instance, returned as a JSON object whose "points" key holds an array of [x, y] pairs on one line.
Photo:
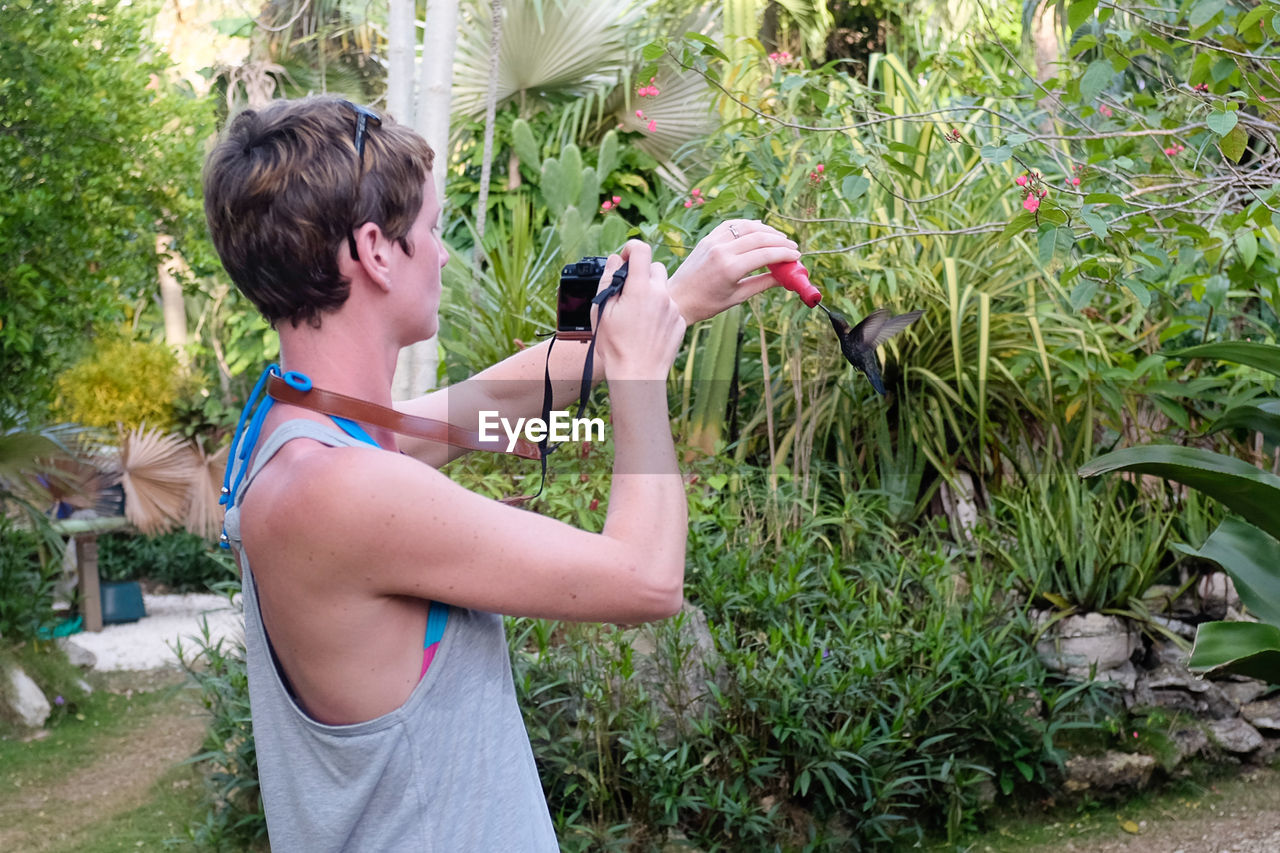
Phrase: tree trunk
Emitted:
{"points": [[418, 364], [172, 300], [490, 112], [400, 56]]}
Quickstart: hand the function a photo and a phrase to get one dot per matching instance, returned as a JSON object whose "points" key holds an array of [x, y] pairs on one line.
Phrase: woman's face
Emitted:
{"points": [[422, 269]]}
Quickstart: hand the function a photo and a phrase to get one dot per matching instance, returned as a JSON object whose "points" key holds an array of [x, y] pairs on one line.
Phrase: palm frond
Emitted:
{"points": [[204, 513], [552, 47], [156, 471]]}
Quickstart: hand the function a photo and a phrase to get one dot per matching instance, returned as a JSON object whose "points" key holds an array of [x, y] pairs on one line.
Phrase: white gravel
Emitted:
{"points": [[148, 643]]}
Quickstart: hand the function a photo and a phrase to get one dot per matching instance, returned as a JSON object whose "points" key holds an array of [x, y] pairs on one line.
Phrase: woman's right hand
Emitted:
{"points": [[643, 327]]}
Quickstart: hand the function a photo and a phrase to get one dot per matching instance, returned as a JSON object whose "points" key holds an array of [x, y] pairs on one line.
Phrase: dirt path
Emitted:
{"points": [[1236, 815], [120, 779]]}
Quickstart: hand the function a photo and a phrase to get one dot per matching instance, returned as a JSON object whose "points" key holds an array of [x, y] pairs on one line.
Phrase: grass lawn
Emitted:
{"points": [[108, 775]]}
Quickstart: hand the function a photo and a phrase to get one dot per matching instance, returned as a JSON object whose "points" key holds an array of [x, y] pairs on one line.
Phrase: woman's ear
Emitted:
{"points": [[373, 248]]}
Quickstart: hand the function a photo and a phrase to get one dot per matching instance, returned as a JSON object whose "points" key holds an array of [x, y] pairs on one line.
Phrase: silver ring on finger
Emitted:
{"points": [[733, 231]]}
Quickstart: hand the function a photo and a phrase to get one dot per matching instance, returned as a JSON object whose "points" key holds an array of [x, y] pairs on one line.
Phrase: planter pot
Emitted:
{"points": [[1077, 643], [122, 602]]}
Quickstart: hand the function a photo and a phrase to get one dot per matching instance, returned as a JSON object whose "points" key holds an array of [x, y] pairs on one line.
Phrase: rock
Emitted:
{"points": [[1189, 742], [1235, 735], [1173, 675], [1082, 642], [1217, 593], [1126, 675], [1234, 615], [959, 501], [24, 701], [1243, 692], [78, 655], [1185, 630], [1108, 771], [1264, 715], [674, 675]]}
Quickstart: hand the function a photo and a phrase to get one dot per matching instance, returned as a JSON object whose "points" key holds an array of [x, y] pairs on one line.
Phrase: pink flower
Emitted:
{"points": [[1170, 151], [1075, 182], [700, 200], [640, 114], [821, 168], [688, 203], [1032, 204], [616, 199], [1105, 110], [653, 125], [696, 191], [606, 206], [1021, 180]]}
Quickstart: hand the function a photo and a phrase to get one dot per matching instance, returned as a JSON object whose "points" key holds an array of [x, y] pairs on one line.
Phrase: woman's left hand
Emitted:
{"points": [[714, 276]]}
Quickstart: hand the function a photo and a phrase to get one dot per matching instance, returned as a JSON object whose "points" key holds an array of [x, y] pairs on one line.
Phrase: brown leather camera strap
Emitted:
{"points": [[341, 406]]}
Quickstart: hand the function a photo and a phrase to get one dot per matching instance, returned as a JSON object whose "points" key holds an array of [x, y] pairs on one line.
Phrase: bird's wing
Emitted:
{"points": [[865, 332], [887, 328]]}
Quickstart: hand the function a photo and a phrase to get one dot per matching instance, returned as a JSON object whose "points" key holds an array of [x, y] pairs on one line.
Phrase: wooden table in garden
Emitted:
{"points": [[84, 533]]}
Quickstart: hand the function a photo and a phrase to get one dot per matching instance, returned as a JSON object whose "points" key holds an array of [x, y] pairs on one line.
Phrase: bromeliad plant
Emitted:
{"points": [[1246, 547], [1079, 548]]}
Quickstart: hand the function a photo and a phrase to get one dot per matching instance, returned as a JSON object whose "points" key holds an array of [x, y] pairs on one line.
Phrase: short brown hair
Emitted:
{"points": [[280, 199]]}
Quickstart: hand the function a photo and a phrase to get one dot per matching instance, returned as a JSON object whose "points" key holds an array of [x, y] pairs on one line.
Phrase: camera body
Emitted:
{"points": [[579, 282]]}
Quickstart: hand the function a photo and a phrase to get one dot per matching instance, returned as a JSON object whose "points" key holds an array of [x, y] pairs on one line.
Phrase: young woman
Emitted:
{"points": [[384, 712]]}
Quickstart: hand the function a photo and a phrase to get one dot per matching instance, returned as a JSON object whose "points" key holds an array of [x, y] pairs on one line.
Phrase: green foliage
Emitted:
{"points": [[233, 819], [1080, 548], [181, 561], [856, 694], [1249, 552], [124, 383], [98, 155], [27, 577]]}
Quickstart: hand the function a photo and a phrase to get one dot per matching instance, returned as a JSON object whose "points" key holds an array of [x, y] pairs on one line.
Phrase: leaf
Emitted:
{"points": [[156, 472], [1079, 12], [1247, 246], [1204, 12], [996, 153], [1103, 198], [1221, 121], [1083, 293], [1239, 486], [1249, 21], [1263, 418], [1139, 291], [1262, 356], [1252, 558], [1234, 143], [1019, 223], [1130, 827], [1245, 648], [1094, 80], [854, 187], [1096, 224]]}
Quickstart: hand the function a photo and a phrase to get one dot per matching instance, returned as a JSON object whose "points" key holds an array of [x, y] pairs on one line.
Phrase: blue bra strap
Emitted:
{"points": [[437, 618], [354, 430]]}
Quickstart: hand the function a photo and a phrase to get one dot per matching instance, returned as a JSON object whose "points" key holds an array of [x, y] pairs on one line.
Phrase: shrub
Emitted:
{"points": [[122, 382], [233, 818], [179, 560], [27, 577], [865, 694]]}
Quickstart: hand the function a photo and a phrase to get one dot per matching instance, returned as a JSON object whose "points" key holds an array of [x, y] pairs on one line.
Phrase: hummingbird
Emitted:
{"points": [[858, 343]]}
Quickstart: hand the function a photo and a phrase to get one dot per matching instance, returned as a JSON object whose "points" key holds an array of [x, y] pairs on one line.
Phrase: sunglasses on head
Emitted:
{"points": [[364, 115]]}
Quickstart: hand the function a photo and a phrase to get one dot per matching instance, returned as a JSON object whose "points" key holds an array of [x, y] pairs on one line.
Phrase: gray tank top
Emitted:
{"points": [[449, 770]]}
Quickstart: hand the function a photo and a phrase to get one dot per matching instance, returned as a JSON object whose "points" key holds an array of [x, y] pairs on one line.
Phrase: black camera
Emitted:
{"points": [[579, 282]]}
